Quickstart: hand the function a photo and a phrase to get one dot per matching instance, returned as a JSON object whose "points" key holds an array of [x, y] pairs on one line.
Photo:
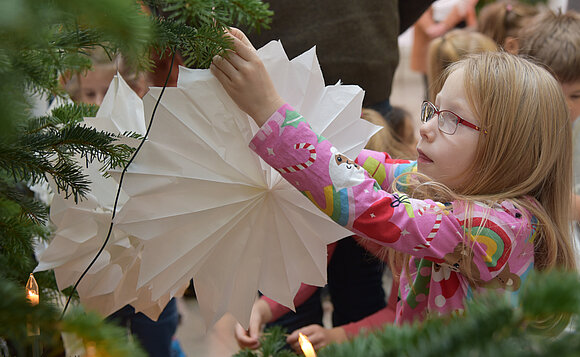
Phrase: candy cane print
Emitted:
{"points": [[304, 165], [434, 230]]}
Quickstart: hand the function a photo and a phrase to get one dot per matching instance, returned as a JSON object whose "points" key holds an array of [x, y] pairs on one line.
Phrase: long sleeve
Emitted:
{"points": [[372, 322], [448, 262]]}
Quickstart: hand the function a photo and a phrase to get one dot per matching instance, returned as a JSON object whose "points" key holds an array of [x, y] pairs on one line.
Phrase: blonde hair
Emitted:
{"points": [[525, 158], [528, 149], [386, 139], [503, 19], [450, 48], [554, 40]]}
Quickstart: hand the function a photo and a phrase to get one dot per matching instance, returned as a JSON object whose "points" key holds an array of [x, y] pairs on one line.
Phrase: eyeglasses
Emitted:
{"points": [[447, 120]]}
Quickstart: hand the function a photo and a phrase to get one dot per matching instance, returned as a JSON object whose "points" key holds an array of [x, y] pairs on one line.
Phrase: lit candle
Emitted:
{"points": [[32, 290], [306, 346], [33, 297], [91, 349]]}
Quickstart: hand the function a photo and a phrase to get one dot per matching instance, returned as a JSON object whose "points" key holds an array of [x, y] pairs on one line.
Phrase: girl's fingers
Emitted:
{"points": [[243, 50], [222, 78], [225, 66], [241, 36], [244, 340]]}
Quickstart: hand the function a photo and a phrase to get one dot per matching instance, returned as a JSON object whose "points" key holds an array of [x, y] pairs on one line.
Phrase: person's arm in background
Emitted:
{"points": [[464, 11], [428, 26], [320, 336], [267, 310], [410, 11]]}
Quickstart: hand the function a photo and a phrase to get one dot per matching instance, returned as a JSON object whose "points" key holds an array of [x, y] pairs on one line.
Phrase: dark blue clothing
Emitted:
{"points": [[154, 336], [355, 285]]}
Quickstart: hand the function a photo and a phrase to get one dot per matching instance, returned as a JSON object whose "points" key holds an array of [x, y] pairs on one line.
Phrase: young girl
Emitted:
{"points": [[497, 154], [450, 48], [502, 21]]}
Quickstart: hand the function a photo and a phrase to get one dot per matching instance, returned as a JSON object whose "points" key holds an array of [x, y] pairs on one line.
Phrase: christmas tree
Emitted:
{"points": [[40, 41]]}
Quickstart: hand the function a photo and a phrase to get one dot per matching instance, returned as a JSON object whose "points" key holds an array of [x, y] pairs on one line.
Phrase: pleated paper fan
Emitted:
{"points": [[205, 206], [82, 227]]}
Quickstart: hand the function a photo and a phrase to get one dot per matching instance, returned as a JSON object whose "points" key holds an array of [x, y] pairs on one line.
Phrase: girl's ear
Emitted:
{"points": [[511, 45]]}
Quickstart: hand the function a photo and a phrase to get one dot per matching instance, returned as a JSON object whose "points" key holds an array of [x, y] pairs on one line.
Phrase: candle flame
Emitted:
{"points": [[91, 349], [32, 290], [305, 345]]}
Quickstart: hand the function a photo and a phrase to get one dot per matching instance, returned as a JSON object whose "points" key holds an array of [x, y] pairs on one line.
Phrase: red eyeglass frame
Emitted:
{"points": [[460, 120]]}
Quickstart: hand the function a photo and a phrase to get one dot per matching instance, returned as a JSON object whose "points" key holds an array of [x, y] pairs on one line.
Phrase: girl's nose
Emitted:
{"points": [[428, 130]]}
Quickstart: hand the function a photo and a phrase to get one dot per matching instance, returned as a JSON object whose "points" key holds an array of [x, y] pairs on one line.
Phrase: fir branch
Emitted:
{"points": [[272, 343], [16, 314], [209, 41], [251, 13], [198, 45], [22, 164], [67, 114], [490, 326], [195, 27], [30, 208], [220, 13], [170, 34], [105, 338], [48, 145]]}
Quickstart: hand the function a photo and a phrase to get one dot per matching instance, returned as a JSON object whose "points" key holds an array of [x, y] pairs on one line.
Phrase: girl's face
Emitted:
{"points": [[443, 157], [94, 85]]}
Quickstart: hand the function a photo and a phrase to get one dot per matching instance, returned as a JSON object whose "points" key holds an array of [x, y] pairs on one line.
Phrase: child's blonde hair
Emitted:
{"points": [[450, 48], [503, 19], [554, 40], [526, 156], [527, 151]]}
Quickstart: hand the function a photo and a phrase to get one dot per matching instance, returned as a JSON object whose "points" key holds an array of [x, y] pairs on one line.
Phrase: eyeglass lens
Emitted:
{"points": [[447, 121]]}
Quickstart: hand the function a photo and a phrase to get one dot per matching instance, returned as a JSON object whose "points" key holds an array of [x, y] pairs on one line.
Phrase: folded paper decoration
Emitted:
{"points": [[81, 228], [201, 205]]}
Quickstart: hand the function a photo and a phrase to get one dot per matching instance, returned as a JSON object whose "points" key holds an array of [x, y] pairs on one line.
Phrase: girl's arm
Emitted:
{"points": [[346, 193]]}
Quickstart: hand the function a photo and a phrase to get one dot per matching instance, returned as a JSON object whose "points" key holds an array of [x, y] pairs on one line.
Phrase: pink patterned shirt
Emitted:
{"points": [[356, 194]]}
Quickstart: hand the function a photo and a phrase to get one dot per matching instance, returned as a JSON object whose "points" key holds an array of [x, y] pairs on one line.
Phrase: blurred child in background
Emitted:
{"points": [[553, 39], [502, 20], [450, 48]]}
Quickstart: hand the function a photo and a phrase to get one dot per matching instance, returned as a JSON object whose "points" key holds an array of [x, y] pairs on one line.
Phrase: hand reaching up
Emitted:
{"points": [[245, 79]]}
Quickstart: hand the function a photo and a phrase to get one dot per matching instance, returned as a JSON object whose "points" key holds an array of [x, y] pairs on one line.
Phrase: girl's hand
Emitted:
{"points": [[244, 77], [318, 336], [249, 338]]}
